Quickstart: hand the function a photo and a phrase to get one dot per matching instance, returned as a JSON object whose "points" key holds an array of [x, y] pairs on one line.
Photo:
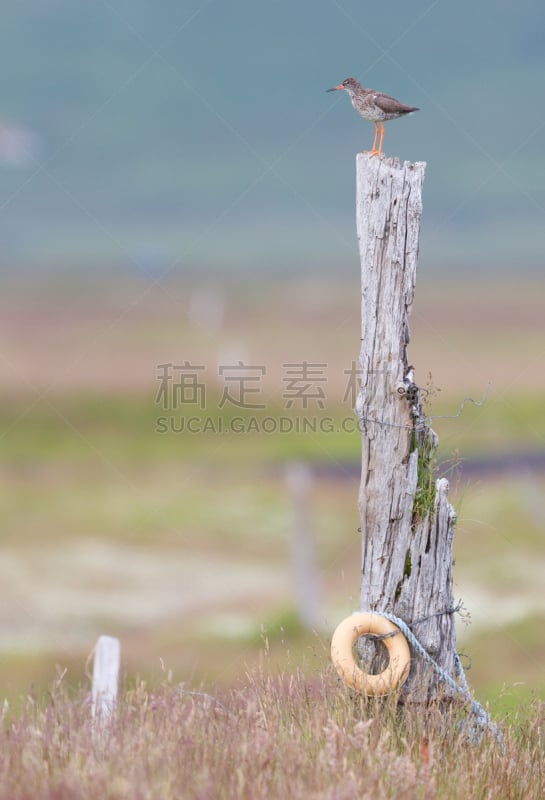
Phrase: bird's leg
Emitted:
{"points": [[374, 148], [381, 138]]}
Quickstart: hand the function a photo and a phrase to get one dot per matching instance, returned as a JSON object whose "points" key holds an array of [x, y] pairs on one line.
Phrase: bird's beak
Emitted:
{"points": [[335, 88]]}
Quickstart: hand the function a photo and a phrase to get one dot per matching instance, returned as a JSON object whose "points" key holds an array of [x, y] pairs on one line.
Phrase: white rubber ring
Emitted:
{"points": [[397, 671]]}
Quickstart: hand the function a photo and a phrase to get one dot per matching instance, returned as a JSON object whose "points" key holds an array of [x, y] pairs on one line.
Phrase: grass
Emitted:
{"points": [[123, 428], [85, 433], [270, 737], [126, 429]]}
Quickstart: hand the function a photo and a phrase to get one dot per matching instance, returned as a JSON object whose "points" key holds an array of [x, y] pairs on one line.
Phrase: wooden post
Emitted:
{"points": [[407, 522], [105, 676]]}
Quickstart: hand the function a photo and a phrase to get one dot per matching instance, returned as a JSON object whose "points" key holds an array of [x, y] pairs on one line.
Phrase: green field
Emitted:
{"points": [[179, 543]]}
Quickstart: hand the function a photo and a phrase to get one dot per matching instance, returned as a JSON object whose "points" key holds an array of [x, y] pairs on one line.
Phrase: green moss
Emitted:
{"points": [[424, 498]]}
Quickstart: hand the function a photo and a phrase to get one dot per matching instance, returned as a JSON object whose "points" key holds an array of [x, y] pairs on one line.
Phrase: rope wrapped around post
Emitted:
{"points": [[391, 629]]}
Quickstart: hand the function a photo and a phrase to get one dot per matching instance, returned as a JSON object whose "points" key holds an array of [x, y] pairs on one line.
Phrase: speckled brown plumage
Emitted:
{"points": [[375, 106]]}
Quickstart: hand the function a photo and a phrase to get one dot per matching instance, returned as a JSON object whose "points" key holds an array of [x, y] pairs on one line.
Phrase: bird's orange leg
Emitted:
{"points": [[381, 138], [374, 148]]}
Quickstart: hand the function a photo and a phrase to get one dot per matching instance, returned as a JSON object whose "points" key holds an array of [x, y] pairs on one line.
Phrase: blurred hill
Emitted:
{"points": [[183, 135]]}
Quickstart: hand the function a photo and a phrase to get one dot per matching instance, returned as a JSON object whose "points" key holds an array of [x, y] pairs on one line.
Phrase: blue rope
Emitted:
{"points": [[482, 718]]}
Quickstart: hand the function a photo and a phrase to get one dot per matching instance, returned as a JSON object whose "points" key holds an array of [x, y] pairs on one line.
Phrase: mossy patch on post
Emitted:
{"points": [[424, 497]]}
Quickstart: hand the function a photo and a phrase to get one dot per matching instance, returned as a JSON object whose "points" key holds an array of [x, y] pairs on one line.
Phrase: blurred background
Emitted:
{"points": [[177, 239]]}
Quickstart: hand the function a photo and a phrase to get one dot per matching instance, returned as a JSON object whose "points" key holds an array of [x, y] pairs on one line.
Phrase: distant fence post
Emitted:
{"points": [[407, 522], [302, 545], [105, 676]]}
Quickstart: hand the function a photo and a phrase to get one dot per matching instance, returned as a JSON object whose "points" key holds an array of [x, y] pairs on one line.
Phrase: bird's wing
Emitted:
{"points": [[390, 105]]}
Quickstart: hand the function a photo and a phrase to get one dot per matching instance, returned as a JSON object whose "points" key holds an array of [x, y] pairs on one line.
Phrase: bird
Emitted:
{"points": [[375, 106]]}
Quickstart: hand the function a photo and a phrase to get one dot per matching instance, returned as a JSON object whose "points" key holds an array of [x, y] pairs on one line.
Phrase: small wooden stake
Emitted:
{"points": [[105, 676]]}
